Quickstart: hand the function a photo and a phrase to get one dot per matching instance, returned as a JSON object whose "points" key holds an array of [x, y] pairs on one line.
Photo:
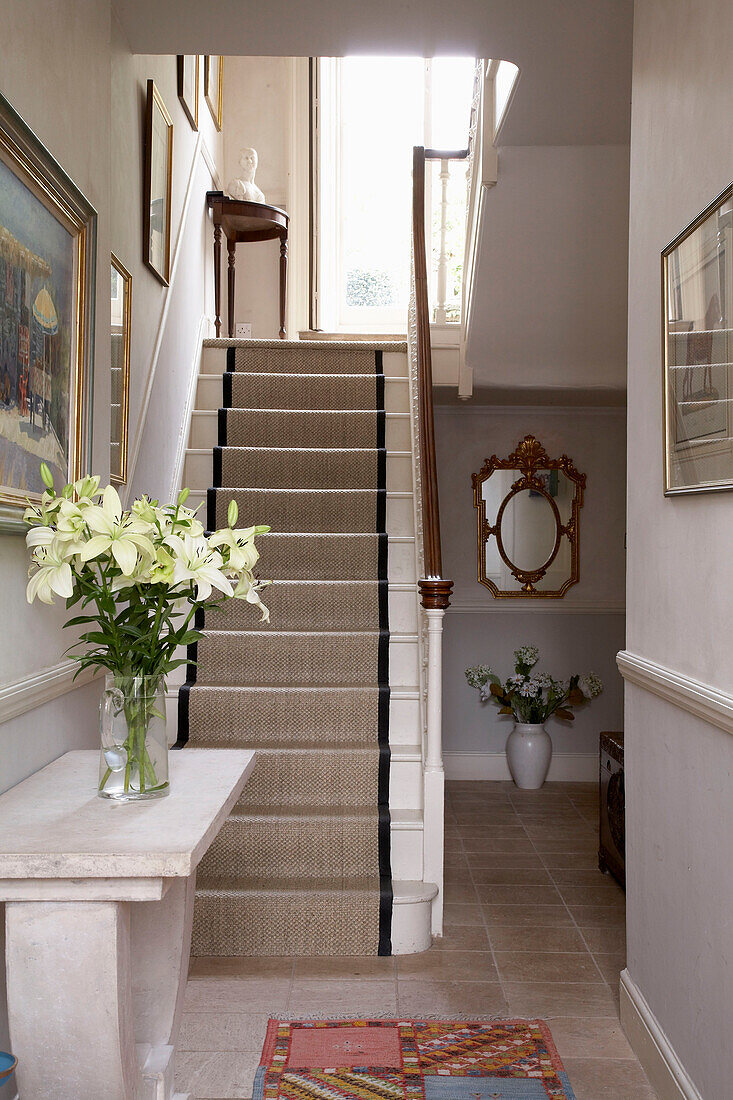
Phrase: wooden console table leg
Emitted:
{"points": [[70, 1000], [217, 279], [283, 281], [231, 246]]}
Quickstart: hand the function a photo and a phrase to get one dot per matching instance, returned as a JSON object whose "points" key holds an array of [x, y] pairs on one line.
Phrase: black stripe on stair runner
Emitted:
{"points": [[385, 857]]}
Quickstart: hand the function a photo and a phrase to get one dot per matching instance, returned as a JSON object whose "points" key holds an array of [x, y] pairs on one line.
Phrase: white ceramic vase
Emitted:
{"points": [[528, 754]]}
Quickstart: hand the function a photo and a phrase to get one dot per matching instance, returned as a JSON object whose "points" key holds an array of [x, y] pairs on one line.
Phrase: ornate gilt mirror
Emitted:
{"points": [[528, 509]]}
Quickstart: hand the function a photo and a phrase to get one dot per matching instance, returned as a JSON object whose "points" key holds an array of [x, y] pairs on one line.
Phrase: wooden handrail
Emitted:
{"points": [[434, 589]]}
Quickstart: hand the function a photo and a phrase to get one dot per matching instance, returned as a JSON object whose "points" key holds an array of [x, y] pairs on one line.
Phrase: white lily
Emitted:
{"points": [[146, 511], [53, 576], [86, 488], [71, 525], [188, 520], [242, 551], [39, 537], [248, 590], [45, 511], [196, 561], [116, 532]]}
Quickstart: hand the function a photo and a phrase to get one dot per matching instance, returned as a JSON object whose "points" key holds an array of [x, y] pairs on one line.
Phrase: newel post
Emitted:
{"points": [[435, 597]]}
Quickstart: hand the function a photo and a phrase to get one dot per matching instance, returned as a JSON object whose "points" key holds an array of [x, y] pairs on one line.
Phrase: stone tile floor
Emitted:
{"points": [[532, 928]]}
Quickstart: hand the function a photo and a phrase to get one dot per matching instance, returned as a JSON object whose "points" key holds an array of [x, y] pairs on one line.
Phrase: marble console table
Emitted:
{"points": [[99, 904]]}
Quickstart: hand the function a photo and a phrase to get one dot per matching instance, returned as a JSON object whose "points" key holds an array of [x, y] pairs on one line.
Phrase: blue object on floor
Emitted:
{"points": [[7, 1064]]}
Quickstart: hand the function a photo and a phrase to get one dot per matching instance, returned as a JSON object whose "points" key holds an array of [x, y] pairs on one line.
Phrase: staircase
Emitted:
{"points": [[324, 852]]}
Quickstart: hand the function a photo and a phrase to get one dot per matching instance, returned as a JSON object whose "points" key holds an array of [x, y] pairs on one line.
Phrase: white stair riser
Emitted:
{"points": [[403, 662], [395, 363], [209, 393], [205, 430], [405, 784], [214, 361], [401, 562], [396, 395], [198, 472], [404, 720], [403, 612], [406, 852]]}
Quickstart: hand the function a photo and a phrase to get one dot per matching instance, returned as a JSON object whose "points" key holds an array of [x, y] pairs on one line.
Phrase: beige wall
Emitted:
{"points": [[258, 112], [65, 100], [68, 72], [166, 321], [550, 282], [679, 805], [581, 632]]}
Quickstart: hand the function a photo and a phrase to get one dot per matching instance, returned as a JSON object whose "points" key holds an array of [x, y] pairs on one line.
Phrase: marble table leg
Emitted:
{"points": [[70, 1000], [95, 994], [161, 945]]}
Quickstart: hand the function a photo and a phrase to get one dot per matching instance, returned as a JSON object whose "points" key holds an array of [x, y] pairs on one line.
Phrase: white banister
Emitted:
{"points": [[434, 754], [434, 780], [482, 174]]}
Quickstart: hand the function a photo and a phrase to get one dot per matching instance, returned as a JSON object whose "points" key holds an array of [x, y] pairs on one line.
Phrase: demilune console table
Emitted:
{"points": [[98, 910], [244, 222]]}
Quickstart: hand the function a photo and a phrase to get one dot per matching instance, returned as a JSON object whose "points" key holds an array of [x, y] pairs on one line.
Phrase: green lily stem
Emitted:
{"points": [[138, 715]]}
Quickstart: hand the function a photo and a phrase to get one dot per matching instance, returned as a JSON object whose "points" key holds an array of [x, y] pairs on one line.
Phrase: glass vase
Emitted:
{"points": [[133, 763]]}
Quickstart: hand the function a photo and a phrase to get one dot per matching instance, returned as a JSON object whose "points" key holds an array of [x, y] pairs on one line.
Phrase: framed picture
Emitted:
{"points": [[697, 348], [47, 258], [214, 86], [121, 318], [188, 86], [157, 186]]}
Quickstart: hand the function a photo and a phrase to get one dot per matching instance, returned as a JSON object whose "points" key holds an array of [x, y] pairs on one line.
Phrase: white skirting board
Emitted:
{"points": [[666, 1073], [566, 767]]}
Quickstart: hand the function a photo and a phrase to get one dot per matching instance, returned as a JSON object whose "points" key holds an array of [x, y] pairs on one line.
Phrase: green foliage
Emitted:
{"points": [[369, 288]]}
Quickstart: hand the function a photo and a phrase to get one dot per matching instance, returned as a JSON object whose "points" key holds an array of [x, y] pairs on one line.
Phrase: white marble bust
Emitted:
{"points": [[245, 187]]}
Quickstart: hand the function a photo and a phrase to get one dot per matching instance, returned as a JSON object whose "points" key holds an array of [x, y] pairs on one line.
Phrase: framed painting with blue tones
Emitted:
{"points": [[47, 268]]}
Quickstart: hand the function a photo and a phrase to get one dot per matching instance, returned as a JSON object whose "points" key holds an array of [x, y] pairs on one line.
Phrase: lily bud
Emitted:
{"points": [[183, 496], [46, 476], [232, 513]]}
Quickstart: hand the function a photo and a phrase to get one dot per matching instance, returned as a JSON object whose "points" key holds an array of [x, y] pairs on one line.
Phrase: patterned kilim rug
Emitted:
{"points": [[410, 1060]]}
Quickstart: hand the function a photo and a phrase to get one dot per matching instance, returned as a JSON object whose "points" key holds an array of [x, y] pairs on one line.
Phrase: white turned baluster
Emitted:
{"points": [[434, 754], [442, 287], [434, 778]]}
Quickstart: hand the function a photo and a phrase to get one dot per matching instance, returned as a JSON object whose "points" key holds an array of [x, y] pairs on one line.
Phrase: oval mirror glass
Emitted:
{"points": [[528, 530]]}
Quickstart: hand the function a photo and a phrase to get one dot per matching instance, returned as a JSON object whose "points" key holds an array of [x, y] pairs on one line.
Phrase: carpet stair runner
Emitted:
{"points": [[302, 866]]}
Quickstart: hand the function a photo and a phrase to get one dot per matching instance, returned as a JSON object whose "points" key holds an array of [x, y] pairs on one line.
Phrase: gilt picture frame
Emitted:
{"points": [[120, 337], [157, 186], [188, 86], [214, 86], [48, 232], [697, 353]]}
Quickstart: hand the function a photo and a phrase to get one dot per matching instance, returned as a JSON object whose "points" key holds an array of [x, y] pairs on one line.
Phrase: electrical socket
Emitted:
{"points": [[243, 330]]}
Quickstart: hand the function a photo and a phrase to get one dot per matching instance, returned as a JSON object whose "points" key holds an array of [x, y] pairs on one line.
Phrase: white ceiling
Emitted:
{"points": [[574, 55]]}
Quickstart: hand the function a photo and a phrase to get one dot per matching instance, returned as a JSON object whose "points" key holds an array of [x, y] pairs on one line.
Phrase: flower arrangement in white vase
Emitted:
{"points": [[137, 579], [531, 699]]}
